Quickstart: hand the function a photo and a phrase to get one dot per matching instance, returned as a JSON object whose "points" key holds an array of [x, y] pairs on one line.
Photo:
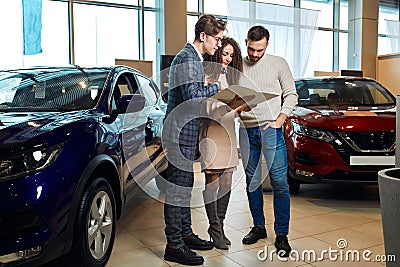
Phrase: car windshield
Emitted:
{"points": [[50, 89], [342, 92]]}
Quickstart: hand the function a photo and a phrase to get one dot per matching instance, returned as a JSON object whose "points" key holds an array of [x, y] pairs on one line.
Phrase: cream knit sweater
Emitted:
{"points": [[270, 74]]}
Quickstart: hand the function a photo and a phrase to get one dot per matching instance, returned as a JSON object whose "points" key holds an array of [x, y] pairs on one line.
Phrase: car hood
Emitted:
{"points": [[347, 118], [26, 129]]}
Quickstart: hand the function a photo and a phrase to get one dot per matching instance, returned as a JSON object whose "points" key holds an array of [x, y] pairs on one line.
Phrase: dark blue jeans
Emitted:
{"points": [[177, 214], [269, 142]]}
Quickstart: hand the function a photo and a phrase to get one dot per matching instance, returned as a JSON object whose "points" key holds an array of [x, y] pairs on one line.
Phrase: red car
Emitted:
{"points": [[341, 131]]}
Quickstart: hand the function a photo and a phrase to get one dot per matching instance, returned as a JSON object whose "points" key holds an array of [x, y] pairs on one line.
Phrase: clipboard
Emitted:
{"points": [[228, 94]]}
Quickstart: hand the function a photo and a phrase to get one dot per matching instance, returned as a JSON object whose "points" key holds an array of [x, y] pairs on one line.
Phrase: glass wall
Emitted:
{"points": [[191, 22], [325, 16], [329, 47], [329, 52], [150, 38], [211, 6], [101, 34], [109, 29], [343, 49], [330, 43], [54, 35], [344, 15], [388, 11], [103, 31], [12, 44], [192, 5], [321, 58]]}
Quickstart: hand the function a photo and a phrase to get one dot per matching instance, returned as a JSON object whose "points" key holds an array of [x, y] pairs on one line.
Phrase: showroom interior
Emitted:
{"points": [[316, 37]]}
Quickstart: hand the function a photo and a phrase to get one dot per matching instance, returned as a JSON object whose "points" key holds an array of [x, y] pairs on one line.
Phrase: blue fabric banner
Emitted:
{"points": [[32, 26]]}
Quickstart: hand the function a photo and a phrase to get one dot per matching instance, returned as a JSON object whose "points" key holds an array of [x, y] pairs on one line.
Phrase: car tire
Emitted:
{"points": [[96, 215], [161, 181], [294, 185]]}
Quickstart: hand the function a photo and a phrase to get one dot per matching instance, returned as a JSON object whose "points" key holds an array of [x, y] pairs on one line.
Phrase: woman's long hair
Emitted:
{"points": [[235, 68]]}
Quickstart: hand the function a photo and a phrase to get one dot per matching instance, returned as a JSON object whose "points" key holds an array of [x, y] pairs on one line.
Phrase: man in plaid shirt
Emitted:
{"points": [[187, 90]]}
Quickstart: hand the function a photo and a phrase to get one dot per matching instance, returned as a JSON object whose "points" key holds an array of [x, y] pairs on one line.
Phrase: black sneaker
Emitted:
{"points": [[195, 242], [183, 255], [256, 233], [282, 246]]}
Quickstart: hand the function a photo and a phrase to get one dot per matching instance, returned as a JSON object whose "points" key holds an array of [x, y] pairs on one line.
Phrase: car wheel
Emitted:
{"points": [[95, 226], [294, 185], [161, 181]]}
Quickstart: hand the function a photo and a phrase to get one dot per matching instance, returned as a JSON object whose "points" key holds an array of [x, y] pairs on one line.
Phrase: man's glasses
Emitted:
{"points": [[218, 39]]}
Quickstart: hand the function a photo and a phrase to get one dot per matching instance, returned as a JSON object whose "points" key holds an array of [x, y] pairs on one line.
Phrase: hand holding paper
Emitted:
{"points": [[247, 95]]}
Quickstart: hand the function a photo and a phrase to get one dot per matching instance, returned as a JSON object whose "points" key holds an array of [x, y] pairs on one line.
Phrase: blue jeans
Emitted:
{"points": [[269, 142], [177, 213]]}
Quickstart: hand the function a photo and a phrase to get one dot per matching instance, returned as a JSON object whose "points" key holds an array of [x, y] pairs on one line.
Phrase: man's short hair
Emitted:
{"points": [[256, 33], [210, 25]]}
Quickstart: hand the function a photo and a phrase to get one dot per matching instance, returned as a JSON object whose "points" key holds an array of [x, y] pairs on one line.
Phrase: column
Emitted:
{"points": [[175, 23], [363, 36]]}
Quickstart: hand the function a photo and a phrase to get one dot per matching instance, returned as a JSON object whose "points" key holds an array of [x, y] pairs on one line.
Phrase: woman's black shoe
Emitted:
{"points": [[183, 255]]}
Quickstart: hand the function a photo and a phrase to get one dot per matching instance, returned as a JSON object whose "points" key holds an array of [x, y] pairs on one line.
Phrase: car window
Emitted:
{"points": [[125, 84], [378, 96], [147, 89]]}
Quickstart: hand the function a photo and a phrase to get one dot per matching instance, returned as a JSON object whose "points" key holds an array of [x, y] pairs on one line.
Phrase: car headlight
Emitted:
{"points": [[313, 132], [28, 162]]}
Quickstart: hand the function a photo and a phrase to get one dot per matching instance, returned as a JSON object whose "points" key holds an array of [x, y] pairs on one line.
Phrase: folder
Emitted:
{"points": [[228, 94]]}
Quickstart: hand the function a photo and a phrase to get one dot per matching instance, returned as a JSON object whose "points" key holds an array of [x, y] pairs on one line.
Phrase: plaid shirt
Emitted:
{"points": [[187, 91]]}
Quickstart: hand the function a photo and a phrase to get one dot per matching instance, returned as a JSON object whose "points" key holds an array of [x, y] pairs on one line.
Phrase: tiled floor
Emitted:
{"points": [[321, 216]]}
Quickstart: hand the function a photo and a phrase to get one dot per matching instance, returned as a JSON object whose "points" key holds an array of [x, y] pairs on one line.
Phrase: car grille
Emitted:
{"points": [[370, 141], [365, 144]]}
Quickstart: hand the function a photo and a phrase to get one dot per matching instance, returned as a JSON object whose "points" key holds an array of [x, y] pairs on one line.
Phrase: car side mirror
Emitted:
{"points": [[129, 103]]}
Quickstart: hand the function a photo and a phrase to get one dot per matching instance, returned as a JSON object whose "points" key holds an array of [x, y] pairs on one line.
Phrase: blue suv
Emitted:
{"points": [[75, 145]]}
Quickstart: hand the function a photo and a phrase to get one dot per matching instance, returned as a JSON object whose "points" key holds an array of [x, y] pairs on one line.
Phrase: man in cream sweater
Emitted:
{"points": [[262, 132]]}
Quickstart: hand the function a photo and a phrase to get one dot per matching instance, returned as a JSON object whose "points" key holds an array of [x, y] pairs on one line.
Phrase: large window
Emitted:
{"points": [[103, 30], [211, 6], [102, 35], [325, 16], [321, 56], [54, 35], [330, 43], [150, 38], [11, 48], [191, 22], [329, 47], [325, 52], [344, 15], [192, 5], [343, 50], [109, 29], [388, 13]]}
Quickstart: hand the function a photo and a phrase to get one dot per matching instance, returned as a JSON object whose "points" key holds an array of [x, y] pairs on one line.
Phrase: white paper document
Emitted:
{"points": [[227, 95]]}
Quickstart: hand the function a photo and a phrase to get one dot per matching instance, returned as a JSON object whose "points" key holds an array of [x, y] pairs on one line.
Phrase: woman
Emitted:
{"points": [[218, 147]]}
